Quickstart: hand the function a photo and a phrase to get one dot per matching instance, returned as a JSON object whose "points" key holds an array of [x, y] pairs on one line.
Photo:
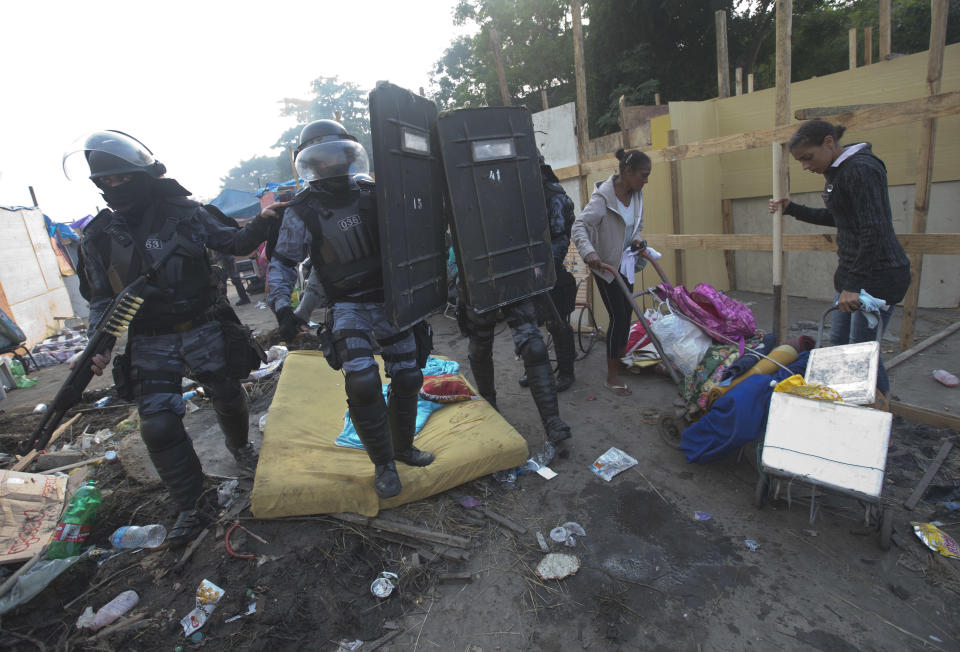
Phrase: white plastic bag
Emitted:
{"points": [[682, 341]]}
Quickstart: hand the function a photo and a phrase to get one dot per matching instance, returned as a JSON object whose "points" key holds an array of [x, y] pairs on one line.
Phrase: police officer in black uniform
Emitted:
{"points": [[183, 326], [336, 215]]}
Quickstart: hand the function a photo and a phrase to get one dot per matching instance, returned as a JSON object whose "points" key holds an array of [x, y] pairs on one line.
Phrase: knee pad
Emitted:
{"points": [[161, 430], [363, 387], [406, 382], [480, 350], [534, 352]]}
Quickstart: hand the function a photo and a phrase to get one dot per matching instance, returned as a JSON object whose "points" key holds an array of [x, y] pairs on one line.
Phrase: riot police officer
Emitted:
{"points": [[555, 312], [336, 216], [183, 327]]}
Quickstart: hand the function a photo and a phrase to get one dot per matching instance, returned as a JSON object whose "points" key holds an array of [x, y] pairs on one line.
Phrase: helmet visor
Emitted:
{"points": [[124, 154], [335, 158]]}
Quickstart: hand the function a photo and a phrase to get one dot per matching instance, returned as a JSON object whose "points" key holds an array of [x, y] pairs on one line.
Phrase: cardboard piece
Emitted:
{"points": [[30, 506]]}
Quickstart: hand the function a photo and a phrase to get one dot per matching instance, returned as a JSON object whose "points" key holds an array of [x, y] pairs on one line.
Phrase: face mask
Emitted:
{"points": [[132, 196]]}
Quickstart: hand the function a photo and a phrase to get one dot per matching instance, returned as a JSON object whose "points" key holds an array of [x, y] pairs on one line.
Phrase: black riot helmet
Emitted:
{"points": [[327, 151], [110, 152]]}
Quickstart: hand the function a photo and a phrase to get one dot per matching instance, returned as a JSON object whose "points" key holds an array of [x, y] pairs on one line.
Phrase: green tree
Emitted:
{"points": [[253, 173]]}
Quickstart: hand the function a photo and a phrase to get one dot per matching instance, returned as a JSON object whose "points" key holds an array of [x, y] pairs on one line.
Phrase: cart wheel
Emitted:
{"points": [[587, 331], [670, 429], [760, 491], [886, 528]]}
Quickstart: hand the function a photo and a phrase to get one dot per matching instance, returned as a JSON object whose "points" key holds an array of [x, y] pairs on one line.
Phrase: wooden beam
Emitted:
{"points": [[750, 82], [781, 169], [926, 344], [884, 43], [569, 172], [852, 48], [946, 244], [867, 45], [676, 208], [738, 81], [723, 57], [622, 121], [580, 74], [729, 258], [27, 459], [656, 99], [928, 475], [882, 115], [543, 99], [924, 415], [820, 112], [921, 202], [497, 51]]}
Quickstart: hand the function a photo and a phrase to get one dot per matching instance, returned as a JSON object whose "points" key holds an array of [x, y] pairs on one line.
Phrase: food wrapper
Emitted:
{"points": [[611, 463], [208, 595], [936, 539], [798, 387]]}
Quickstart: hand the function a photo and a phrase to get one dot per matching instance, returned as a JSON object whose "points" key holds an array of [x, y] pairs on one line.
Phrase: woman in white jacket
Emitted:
{"points": [[607, 235]]}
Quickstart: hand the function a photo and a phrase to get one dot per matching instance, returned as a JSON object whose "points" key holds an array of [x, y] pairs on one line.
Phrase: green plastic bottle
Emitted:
{"points": [[74, 528]]}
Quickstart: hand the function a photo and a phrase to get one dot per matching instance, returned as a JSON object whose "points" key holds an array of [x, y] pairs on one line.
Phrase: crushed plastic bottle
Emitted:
{"points": [[946, 378], [138, 536], [74, 528], [120, 605]]}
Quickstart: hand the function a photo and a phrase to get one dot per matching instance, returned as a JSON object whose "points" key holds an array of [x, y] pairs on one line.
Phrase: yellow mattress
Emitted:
{"points": [[302, 471]]}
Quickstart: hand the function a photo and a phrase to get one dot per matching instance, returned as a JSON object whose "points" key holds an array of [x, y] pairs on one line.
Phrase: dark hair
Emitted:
{"points": [[814, 133], [634, 159]]}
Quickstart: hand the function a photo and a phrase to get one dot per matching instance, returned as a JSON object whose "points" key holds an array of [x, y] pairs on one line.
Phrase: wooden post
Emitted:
{"points": [[781, 178], [656, 99], [728, 255], [498, 62], [543, 99], [622, 121], [738, 81], [884, 30], [867, 46], [579, 69], [921, 202], [675, 199], [853, 48], [750, 82], [723, 59], [33, 196]]}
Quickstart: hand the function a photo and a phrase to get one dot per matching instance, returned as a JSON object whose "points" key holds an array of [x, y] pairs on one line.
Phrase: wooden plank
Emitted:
{"points": [[924, 415], [927, 147], [580, 75], [852, 48], [867, 45], [883, 115], [781, 169], [750, 82], [926, 344], [495, 48], [723, 57], [928, 476], [729, 258], [676, 195], [622, 120], [738, 80], [543, 99], [27, 459], [569, 172], [884, 30], [927, 243], [406, 529], [821, 112]]}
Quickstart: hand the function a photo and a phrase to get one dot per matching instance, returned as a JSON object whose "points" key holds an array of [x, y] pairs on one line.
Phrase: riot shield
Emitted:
{"points": [[499, 216], [409, 203]]}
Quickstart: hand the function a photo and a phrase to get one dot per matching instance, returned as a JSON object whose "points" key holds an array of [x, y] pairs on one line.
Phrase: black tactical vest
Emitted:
{"points": [[345, 246]]}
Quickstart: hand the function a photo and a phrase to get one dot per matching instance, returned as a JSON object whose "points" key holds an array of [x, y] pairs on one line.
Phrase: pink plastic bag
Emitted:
{"points": [[713, 309]]}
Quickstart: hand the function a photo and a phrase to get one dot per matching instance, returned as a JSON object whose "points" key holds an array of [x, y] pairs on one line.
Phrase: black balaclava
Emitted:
{"points": [[131, 197]]}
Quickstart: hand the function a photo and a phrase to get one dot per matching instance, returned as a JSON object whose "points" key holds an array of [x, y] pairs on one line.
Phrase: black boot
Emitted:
{"points": [[188, 525], [371, 424], [233, 415], [482, 369], [523, 381], [544, 393], [402, 413], [173, 456], [566, 353]]}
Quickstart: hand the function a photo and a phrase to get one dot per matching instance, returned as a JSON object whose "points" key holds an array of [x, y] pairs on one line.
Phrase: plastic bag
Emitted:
{"points": [[683, 342], [709, 306]]}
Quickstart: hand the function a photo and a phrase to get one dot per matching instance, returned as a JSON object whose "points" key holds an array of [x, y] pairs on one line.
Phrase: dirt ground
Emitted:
{"points": [[652, 577]]}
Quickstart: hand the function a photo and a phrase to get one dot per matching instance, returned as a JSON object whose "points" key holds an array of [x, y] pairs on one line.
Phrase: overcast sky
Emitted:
{"points": [[199, 82]]}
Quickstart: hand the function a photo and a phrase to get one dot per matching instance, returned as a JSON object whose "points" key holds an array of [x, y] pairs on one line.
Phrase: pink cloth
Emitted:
{"points": [[713, 309]]}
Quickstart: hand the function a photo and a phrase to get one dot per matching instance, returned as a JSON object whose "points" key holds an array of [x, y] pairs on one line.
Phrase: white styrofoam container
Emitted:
{"points": [[833, 444], [851, 369]]}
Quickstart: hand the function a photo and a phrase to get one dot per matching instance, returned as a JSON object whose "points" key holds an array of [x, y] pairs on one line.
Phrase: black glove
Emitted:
{"points": [[289, 323]]}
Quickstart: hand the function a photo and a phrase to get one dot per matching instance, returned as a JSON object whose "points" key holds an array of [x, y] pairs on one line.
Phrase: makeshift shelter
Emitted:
{"points": [[238, 204]]}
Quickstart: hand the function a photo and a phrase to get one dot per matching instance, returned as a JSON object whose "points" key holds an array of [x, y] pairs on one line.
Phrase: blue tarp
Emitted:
{"points": [[279, 187], [60, 231], [238, 204]]}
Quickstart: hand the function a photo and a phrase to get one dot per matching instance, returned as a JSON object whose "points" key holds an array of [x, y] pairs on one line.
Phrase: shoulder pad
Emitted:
{"points": [[99, 221], [301, 196], [365, 184], [219, 215]]}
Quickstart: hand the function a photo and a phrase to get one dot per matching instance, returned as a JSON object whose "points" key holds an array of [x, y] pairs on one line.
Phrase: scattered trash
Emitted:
{"points": [[251, 609], [32, 504], [702, 516], [469, 502], [20, 376], [196, 637], [383, 586], [194, 393], [85, 621], [946, 378], [934, 638], [542, 542], [110, 456], [951, 506], [74, 528], [557, 566], [109, 612], [753, 545], [34, 581], [227, 492], [208, 595], [262, 423], [275, 357], [138, 536], [40, 408], [936, 539], [565, 533], [611, 463], [191, 407], [507, 476], [811, 533], [103, 402], [349, 646], [591, 398]]}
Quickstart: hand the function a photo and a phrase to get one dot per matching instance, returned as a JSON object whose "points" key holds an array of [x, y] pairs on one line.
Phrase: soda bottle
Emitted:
{"points": [[74, 528], [138, 536], [115, 608]]}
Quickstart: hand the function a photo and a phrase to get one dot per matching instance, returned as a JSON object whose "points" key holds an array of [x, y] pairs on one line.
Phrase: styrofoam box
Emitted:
{"points": [[833, 444], [851, 369]]}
